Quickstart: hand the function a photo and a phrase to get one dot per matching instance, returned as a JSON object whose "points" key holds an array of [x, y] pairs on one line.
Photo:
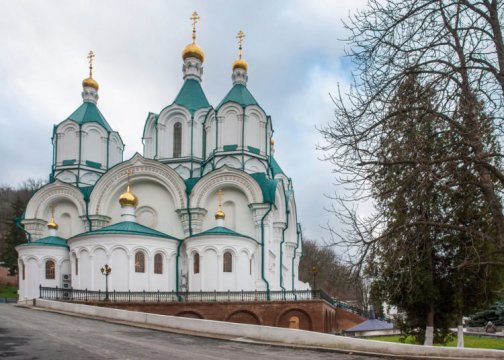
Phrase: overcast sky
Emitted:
{"points": [[293, 49]]}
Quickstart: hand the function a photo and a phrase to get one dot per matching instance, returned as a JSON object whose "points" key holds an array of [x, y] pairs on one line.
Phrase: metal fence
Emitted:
{"points": [[173, 296], [199, 296]]}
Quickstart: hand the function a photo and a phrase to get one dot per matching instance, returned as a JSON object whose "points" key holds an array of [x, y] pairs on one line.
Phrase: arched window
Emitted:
{"points": [[228, 262], [139, 262], [158, 264], [177, 140], [196, 263], [50, 270]]}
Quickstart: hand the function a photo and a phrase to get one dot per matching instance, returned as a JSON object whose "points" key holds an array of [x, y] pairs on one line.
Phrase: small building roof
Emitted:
{"points": [[371, 324]]}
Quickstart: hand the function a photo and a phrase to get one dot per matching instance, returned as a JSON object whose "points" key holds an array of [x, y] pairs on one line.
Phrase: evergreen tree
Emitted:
{"points": [[14, 236], [405, 262]]}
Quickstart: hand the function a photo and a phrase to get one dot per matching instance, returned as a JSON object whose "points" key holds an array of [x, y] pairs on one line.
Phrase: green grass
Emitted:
{"points": [[8, 291], [470, 341]]}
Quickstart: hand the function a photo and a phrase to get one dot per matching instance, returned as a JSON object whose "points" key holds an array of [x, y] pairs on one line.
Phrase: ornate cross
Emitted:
{"points": [[91, 56], [240, 38], [195, 17]]}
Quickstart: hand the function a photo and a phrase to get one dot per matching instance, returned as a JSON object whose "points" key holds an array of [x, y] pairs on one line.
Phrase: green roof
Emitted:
{"points": [[268, 187], [128, 228], [88, 112], [221, 230], [240, 95], [48, 241], [275, 168], [191, 96]]}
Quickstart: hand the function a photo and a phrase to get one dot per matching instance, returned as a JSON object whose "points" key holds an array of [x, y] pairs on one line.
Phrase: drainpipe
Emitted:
{"points": [[90, 225], [157, 137], [282, 243], [192, 150], [80, 157], [21, 227], [243, 139], [188, 208], [55, 152], [108, 149], [298, 232], [262, 253]]}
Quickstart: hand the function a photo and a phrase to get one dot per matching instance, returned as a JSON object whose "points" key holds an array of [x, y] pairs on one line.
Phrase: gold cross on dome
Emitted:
{"points": [[90, 57], [195, 17], [240, 38]]}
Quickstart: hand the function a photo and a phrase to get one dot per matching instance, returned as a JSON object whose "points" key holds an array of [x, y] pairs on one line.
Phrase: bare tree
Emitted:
{"points": [[453, 48]]}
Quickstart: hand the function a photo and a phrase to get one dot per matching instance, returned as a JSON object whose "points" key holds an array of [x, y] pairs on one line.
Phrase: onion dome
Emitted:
{"points": [[128, 198], [90, 82], [272, 141], [240, 64], [220, 215], [51, 225], [193, 50]]}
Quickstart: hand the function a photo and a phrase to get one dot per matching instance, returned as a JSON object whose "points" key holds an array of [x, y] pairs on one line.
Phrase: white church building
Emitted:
{"points": [[205, 208]]}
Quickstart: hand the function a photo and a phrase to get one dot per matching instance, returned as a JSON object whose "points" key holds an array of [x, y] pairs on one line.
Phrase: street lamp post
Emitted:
{"points": [[314, 270], [106, 270]]}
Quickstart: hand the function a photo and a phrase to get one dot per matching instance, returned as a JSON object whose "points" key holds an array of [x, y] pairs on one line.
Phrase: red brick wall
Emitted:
{"points": [[346, 320], [315, 315]]}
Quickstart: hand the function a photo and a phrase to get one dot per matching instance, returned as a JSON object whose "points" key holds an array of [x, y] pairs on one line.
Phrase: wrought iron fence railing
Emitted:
{"points": [[173, 296], [198, 296]]}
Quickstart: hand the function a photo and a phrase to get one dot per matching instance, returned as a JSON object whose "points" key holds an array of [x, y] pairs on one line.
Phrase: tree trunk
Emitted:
{"points": [[460, 331], [429, 329]]}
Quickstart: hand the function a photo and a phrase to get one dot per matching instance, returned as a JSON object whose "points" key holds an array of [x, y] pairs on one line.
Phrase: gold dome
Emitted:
{"points": [[91, 83], [52, 224], [240, 64], [128, 198], [220, 215], [193, 50], [272, 141]]}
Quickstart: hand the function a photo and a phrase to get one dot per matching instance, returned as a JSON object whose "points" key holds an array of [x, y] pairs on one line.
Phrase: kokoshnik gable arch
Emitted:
{"points": [[205, 208]]}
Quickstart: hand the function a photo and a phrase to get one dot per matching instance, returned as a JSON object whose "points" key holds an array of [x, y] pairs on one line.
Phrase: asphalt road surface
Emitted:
{"points": [[36, 334]]}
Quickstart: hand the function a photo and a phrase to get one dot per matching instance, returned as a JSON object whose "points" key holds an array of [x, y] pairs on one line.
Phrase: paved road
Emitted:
{"points": [[35, 334]]}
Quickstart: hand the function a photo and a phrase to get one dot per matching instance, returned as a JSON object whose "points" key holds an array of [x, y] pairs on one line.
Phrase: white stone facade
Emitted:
{"points": [[192, 151]]}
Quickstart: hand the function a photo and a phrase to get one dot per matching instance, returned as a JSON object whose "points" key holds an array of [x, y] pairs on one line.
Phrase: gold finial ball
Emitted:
{"points": [[240, 64], [90, 82], [272, 141], [193, 50], [219, 215], [52, 225], [128, 198]]}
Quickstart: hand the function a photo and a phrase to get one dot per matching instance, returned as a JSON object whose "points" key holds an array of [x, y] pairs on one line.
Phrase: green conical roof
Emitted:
{"points": [[88, 112], [191, 96], [240, 95]]}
